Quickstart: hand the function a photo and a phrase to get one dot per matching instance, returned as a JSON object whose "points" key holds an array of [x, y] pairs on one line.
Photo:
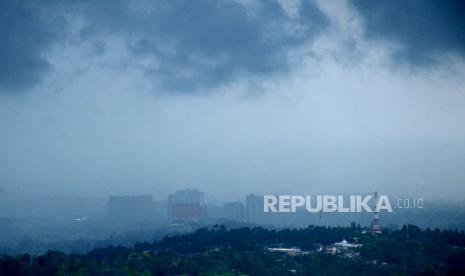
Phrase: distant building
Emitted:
{"points": [[130, 209], [187, 206], [292, 251], [234, 211], [345, 244], [344, 249], [254, 209], [214, 212]]}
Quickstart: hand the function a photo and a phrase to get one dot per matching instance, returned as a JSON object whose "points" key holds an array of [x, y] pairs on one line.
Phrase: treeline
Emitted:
{"points": [[219, 251]]}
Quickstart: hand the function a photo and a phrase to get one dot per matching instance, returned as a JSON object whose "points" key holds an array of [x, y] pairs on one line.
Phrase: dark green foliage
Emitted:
{"points": [[218, 251]]}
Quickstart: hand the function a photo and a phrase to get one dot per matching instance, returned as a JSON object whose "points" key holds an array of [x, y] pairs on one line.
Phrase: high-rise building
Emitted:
{"points": [[130, 209], [254, 209], [186, 206], [234, 211]]}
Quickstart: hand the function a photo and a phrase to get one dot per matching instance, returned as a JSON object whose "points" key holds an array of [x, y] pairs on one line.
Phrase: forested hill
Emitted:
{"points": [[258, 251]]}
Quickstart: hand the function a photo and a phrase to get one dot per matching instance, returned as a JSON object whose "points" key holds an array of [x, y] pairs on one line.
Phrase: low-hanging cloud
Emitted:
{"points": [[189, 44], [28, 30], [194, 46], [200, 44], [425, 30]]}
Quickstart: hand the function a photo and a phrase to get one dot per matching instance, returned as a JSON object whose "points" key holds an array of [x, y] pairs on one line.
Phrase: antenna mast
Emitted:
{"points": [[375, 225]]}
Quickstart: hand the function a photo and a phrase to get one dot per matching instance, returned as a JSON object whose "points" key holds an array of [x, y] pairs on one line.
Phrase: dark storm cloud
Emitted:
{"points": [[206, 43], [424, 28], [189, 44], [27, 31]]}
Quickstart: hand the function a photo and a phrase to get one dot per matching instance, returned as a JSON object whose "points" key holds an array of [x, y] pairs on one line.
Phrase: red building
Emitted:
{"points": [[187, 206]]}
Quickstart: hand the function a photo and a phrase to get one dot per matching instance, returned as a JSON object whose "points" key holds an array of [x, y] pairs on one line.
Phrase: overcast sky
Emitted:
{"points": [[231, 97]]}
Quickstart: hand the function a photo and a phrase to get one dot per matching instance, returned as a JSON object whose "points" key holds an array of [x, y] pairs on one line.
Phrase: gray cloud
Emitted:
{"points": [[199, 44], [27, 31], [424, 28], [189, 44]]}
